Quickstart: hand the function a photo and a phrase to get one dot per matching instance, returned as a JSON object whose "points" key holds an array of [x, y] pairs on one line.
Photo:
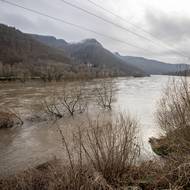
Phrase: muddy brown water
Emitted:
{"points": [[37, 142]]}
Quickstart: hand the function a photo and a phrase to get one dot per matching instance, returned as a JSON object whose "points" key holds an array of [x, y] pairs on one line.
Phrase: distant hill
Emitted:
{"points": [[17, 47], [152, 66], [22, 57], [43, 55], [90, 52]]}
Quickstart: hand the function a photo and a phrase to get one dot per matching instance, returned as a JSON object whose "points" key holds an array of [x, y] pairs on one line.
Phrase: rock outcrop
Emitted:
{"points": [[175, 142], [160, 146], [8, 120]]}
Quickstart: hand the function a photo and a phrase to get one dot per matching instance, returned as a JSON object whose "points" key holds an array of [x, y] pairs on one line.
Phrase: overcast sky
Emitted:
{"points": [[167, 20]]}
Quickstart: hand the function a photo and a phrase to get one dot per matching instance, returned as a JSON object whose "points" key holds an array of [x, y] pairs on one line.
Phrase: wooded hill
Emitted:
{"points": [[33, 56]]}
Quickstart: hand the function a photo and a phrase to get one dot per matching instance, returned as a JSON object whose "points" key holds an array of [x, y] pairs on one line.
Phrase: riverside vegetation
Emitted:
{"points": [[106, 153]]}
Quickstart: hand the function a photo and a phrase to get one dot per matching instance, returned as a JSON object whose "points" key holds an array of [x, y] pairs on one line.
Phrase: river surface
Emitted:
{"points": [[37, 142]]}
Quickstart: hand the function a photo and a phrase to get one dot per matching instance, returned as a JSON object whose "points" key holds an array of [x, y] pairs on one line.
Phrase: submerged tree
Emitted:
{"points": [[104, 94], [69, 100]]}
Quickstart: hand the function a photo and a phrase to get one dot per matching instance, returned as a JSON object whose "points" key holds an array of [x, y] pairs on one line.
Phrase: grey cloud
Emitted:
{"points": [[172, 28], [23, 23], [169, 28]]}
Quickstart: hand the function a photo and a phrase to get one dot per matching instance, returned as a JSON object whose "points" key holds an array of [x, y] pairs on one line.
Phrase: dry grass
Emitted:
{"points": [[56, 176]]}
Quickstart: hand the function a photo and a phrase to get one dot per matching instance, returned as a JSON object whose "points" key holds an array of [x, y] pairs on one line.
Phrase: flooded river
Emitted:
{"points": [[36, 142]]}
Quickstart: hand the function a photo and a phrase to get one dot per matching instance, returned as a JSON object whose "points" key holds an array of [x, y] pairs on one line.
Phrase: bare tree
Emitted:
{"points": [[51, 108], [69, 100], [104, 94], [51, 72], [73, 100]]}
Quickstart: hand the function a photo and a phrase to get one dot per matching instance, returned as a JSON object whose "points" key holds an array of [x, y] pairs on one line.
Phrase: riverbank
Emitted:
{"points": [[103, 155], [99, 154], [147, 175]]}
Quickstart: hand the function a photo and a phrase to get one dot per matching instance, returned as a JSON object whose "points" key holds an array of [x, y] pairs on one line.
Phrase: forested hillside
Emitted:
{"points": [[91, 53], [33, 56], [16, 47], [24, 57]]}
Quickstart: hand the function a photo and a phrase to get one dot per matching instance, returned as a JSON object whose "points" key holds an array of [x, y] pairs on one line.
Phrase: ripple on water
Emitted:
{"points": [[27, 146]]}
